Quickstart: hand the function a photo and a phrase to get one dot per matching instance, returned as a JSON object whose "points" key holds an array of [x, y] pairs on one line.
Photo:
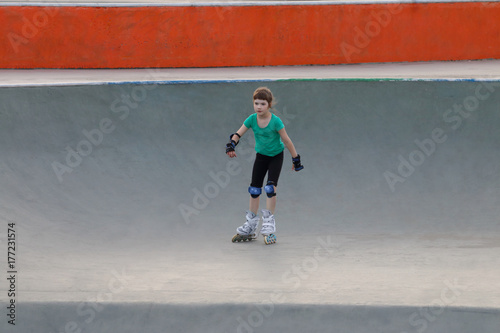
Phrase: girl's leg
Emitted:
{"points": [[259, 171], [254, 205], [271, 204], [273, 176]]}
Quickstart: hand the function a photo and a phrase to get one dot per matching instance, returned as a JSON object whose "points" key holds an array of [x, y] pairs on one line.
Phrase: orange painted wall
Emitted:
{"points": [[204, 36]]}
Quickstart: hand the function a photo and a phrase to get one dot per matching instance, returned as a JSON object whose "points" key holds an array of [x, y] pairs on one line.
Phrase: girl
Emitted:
{"points": [[270, 140]]}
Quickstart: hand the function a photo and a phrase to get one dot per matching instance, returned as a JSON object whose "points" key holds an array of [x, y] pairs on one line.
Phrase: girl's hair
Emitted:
{"points": [[265, 94]]}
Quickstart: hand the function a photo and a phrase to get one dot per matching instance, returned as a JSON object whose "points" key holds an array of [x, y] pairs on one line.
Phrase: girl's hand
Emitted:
{"points": [[230, 148]]}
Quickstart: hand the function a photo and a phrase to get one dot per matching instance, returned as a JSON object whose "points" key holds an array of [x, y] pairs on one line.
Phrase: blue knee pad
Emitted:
{"points": [[269, 188], [254, 191]]}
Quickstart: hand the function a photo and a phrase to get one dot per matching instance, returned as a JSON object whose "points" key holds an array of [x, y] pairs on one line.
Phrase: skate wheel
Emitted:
{"points": [[242, 238], [270, 239]]}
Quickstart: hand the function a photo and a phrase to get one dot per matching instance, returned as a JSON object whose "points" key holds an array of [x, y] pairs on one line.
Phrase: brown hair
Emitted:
{"points": [[265, 94]]}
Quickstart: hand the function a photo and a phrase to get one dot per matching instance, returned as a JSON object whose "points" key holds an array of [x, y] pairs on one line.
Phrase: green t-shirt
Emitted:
{"points": [[267, 140]]}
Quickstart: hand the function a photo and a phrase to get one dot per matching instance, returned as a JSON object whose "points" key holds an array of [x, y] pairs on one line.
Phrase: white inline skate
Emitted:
{"points": [[268, 227], [247, 231]]}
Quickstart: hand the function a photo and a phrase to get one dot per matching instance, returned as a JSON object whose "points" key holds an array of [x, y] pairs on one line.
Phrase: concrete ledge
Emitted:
{"points": [[448, 70]]}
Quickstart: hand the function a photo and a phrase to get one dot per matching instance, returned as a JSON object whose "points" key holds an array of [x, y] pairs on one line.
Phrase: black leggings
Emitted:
{"points": [[266, 164]]}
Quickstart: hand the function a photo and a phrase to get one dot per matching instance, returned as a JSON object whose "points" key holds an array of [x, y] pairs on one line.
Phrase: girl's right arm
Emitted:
{"points": [[243, 129]]}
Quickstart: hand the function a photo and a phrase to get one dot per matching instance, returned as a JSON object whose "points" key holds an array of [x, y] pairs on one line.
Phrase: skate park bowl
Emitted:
{"points": [[123, 204]]}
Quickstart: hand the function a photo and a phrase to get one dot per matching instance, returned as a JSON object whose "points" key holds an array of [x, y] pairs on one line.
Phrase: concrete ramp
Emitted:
{"points": [[123, 205]]}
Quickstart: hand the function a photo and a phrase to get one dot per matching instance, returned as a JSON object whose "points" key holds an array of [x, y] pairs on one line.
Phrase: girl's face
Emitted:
{"points": [[261, 107]]}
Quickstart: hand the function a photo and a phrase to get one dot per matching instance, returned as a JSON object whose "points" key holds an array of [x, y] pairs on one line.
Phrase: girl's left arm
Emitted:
{"points": [[288, 142]]}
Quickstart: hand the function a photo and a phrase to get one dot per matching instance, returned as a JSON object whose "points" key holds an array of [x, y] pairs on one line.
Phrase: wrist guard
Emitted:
{"points": [[296, 163], [232, 144]]}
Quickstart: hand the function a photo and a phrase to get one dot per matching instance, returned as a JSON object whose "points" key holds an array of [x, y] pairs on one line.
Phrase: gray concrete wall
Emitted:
{"points": [[358, 141]]}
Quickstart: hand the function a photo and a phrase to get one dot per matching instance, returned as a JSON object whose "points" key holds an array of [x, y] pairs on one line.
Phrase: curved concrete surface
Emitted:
{"points": [[125, 204]]}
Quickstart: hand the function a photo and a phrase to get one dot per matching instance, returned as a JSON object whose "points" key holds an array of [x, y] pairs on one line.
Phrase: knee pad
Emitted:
{"points": [[254, 191], [269, 188]]}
